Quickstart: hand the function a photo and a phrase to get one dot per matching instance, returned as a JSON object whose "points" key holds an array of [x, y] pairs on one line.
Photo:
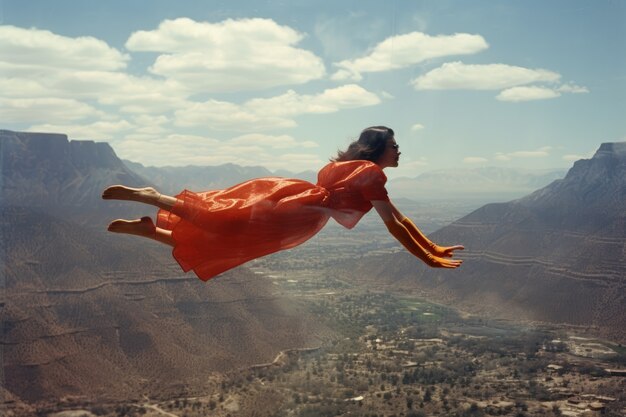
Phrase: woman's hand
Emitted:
{"points": [[446, 251], [433, 255], [437, 262]]}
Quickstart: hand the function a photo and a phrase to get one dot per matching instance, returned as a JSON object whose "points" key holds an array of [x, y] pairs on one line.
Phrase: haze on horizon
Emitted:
{"points": [[511, 84]]}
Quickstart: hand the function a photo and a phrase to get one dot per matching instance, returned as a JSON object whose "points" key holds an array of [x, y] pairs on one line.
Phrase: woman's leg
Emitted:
{"points": [[143, 227], [146, 195]]}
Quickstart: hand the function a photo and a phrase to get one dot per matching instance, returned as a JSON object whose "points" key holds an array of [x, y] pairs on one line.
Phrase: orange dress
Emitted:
{"points": [[215, 231]]}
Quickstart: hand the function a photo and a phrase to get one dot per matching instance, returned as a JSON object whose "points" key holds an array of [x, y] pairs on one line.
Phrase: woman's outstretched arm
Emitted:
{"points": [[416, 233], [388, 213]]}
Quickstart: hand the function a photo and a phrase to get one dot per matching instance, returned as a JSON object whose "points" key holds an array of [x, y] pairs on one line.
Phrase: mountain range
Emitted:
{"points": [[478, 185], [64, 178], [171, 180], [89, 313], [47, 170], [484, 184], [557, 255]]}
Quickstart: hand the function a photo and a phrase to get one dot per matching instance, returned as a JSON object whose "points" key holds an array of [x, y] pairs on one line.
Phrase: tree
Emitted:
{"points": [[427, 395], [409, 403]]}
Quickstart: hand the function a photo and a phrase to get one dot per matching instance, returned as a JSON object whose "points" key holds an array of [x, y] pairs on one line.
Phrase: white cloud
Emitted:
{"points": [[572, 88], [329, 101], [221, 115], [52, 81], [145, 119], [151, 130], [344, 75], [144, 95], [576, 157], [32, 51], [416, 127], [274, 112], [512, 79], [21, 87], [246, 150], [527, 93], [51, 110], [163, 150], [101, 130], [40, 64], [150, 125], [529, 154], [457, 75], [275, 142], [404, 50], [232, 55], [474, 160], [129, 93], [539, 153]]}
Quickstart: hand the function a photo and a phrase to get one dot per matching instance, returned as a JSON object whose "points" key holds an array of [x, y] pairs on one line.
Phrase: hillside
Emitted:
{"points": [[556, 255], [88, 313]]}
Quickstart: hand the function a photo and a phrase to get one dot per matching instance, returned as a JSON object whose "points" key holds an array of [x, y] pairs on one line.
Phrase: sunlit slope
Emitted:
{"points": [[557, 255]]}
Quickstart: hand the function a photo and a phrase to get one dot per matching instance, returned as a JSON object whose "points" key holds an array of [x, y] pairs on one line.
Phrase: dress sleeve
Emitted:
{"points": [[372, 183]]}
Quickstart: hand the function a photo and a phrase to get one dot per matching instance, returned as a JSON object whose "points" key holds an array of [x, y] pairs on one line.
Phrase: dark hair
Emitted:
{"points": [[370, 145]]}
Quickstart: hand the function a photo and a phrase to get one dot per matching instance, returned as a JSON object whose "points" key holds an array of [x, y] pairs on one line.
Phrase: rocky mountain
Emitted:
{"points": [[488, 184], [172, 180], [62, 177], [88, 313], [557, 255]]}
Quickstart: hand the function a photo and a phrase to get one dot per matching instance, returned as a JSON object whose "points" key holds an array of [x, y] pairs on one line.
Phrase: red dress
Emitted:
{"points": [[215, 231]]}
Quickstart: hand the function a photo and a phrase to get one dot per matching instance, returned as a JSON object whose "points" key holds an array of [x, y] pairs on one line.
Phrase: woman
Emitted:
{"points": [[214, 231]]}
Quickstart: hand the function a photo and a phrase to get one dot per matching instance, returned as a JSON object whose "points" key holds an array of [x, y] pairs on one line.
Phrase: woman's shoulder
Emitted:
{"points": [[354, 165], [354, 171]]}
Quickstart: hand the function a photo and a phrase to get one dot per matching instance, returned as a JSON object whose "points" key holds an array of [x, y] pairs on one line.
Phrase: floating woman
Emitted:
{"points": [[214, 231]]}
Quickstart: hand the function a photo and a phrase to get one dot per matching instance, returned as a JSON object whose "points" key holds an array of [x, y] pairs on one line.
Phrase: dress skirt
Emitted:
{"points": [[215, 231]]}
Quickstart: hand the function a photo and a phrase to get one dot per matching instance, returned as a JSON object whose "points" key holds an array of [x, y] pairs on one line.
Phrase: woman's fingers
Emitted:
{"points": [[448, 251], [449, 263]]}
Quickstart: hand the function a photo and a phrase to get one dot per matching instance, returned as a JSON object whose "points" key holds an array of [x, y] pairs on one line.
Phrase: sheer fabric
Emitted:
{"points": [[215, 231]]}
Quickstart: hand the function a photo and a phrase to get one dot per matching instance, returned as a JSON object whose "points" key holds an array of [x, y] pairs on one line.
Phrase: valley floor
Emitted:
{"points": [[402, 356], [397, 356]]}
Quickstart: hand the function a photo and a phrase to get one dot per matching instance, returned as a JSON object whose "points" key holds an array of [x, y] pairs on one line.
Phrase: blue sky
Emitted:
{"points": [[284, 84]]}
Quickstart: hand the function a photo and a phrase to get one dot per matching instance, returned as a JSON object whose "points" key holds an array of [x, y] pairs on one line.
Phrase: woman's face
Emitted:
{"points": [[391, 155]]}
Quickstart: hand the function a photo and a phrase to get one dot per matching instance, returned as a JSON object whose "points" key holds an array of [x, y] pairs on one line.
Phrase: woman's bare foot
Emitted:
{"points": [[139, 227], [146, 195]]}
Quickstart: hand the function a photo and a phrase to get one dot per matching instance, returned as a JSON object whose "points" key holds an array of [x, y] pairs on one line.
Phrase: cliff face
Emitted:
{"points": [[62, 177], [557, 255], [94, 314], [591, 197]]}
